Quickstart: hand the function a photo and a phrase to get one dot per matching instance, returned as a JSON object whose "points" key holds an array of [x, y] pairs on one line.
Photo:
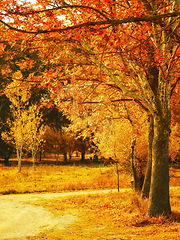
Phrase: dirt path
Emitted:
{"points": [[19, 219]]}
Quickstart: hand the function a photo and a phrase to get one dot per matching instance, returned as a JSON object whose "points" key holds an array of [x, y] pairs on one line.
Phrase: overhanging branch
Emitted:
{"points": [[66, 6], [120, 100], [144, 18]]}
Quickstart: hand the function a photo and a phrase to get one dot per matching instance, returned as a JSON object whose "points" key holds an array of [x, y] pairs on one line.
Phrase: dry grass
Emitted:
{"points": [[101, 216], [52, 178], [112, 216], [175, 176]]}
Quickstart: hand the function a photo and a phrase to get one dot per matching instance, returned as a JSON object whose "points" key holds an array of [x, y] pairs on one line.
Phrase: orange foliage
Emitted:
{"points": [[90, 46]]}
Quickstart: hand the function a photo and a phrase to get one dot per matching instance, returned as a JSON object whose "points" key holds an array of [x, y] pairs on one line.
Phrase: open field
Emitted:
{"points": [[97, 216], [52, 178], [74, 176]]}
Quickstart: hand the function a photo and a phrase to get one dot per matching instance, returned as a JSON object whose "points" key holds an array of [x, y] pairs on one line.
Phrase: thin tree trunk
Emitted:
{"points": [[147, 179], [40, 156], [57, 159], [159, 193], [33, 156], [95, 159], [65, 157], [134, 171], [117, 171], [83, 156], [19, 154], [6, 158]]}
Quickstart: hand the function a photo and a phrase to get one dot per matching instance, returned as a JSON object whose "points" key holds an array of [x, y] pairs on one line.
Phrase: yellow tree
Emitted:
{"points": [[19, 97], [35, 130], [17, 132], [25, 128]]}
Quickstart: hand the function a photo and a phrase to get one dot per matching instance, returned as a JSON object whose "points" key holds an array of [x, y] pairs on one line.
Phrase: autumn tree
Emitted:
{"points": [[35, 130], [25, 124], [17, 133], [130, 46]]}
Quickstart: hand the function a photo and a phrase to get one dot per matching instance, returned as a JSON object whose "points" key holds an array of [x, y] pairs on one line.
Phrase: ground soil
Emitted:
{"points": [[20, 217]]}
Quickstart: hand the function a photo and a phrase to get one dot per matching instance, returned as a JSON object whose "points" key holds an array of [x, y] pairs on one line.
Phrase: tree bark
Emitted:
{"points": [[65, 157], [117, 171], [159, 193], [133, 164], [57, 159], [33, 156], [19, 154], [83, 156], [147, 179], [6, 158]]}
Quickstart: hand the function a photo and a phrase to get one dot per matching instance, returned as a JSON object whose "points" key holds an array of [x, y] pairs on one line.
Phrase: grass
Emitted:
{"points": [[52, 178], [175, 176], [101, 216], [112, 216]]}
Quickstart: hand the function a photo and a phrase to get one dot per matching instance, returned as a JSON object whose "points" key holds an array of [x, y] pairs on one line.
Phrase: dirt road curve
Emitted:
{"points": [[19, 219]]}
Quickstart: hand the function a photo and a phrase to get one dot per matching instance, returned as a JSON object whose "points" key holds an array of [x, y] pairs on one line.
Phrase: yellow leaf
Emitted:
{"points": [[17, 75]]}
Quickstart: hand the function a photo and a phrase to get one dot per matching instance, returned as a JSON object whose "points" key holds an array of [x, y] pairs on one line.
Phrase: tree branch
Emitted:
{"points": [[144, 18], [67, 6]]}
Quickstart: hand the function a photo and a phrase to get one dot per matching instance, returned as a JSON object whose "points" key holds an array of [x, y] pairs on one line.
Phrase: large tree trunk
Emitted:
{"points": [[159, 193], [147, 179]]}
